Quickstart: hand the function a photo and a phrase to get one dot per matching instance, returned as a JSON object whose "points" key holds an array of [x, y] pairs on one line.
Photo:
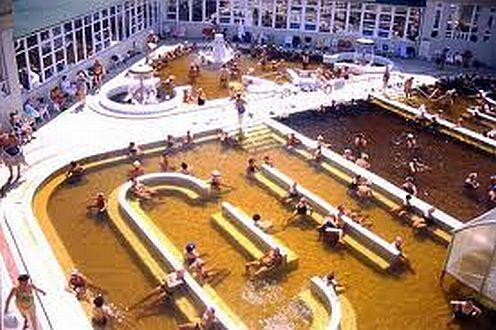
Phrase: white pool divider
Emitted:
{"points": [[442, 219], [366, 237], [153, 239], [329, 298], [477, 138], [264, 240]]}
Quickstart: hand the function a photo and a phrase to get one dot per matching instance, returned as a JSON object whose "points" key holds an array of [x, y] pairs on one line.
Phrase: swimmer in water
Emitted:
{"points": [[252, 167], [360, 141], [292, 194], [410, 141], [363, 161], [409, 186], [301, 209], [216, 183]]}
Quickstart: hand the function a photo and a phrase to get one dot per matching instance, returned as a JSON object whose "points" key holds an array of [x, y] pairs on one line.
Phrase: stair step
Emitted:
{"points": [[181, 190], [237, 237]]}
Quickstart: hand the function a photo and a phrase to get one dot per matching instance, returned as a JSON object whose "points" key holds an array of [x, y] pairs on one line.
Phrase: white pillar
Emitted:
{"points": [[11, 100]]}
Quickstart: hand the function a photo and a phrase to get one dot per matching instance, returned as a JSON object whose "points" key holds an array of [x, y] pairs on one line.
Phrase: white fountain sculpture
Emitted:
{"points": [[218, 52], [142, 85]]}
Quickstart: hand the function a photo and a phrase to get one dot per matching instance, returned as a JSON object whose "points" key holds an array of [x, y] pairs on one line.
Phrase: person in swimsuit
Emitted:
{"points": [[292, 141], [101, 314], [268, 261], [240, 106], [292, 194], [82, 82], [12, 154], [419, 223], [164, 164], [331, 230], [465, 309], [317, 154], [185, 169], [252, 167], [302, 209], [99, 204], [263, 224], [201, 97], [409, 186], [75, 172], [142, 192], [190, 254], [133, 151], [160, 295], [188, 140], [363, 161], [348, 155], [215, 181], [80, 285], [136, 171], [98, 73], [267, 161], [23, 294], [360, 142], [224, 76], [206, 322], [411, 141]]}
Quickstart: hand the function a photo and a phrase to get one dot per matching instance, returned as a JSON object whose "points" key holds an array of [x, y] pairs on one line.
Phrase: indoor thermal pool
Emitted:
{"points": [[400, 299], [447, 162]]}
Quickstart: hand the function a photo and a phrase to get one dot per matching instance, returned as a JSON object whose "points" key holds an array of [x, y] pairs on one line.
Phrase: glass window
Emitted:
{"points": [[32, 40], [78, 23], [399, 26], [354, 21], [69, 53], [211, 9], [58, 43], [87, 20], [57, 30], [46, 48], [281, 14], [34, 60], [310, 19], [197, 10], [295, 18], [413, 24], [68, 27], [44, 35], [325, 19], [339, 20]]}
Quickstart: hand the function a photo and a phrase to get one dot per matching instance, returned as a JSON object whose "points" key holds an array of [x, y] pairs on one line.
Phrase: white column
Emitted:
{"points": [[347, 20], [333, 14], [362, 17], [377, 17], [231, 11], [407, 21], [303, 15], [288, 15], [273, 14], [391, 24], [204, 10], [319, 6]]}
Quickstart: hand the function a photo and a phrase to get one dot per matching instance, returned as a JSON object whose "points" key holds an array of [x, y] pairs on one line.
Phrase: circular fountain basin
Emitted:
{"points": [[113, 96], [347, 59]]}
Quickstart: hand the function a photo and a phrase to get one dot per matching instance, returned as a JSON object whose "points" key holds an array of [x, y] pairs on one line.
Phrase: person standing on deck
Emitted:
{"points": [[240, 105], [24, 300]]}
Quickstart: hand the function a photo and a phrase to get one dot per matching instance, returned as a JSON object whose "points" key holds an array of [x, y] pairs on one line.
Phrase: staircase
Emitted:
{"points": [[258, 138]]}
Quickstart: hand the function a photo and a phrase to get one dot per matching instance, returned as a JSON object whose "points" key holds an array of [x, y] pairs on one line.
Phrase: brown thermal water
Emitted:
{"points": [[411, 300], [449, 161]]}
